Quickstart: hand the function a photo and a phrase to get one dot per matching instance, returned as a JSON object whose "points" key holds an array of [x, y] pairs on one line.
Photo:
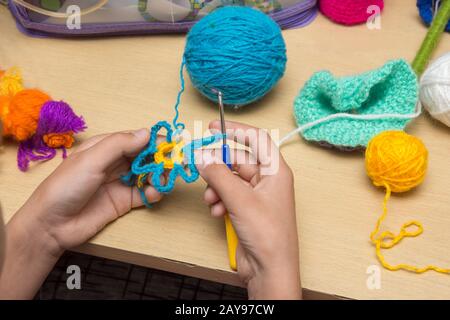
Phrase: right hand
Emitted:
{"points": [[261, 208]]}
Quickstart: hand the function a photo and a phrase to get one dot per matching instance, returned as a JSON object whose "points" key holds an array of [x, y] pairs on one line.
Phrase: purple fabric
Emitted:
{"points": [[55, 117], [297, 15]]}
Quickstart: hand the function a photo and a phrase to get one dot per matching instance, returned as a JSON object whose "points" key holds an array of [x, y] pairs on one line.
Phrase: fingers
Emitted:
{"points": [[256, 139], [151, 195], [90, 142], [123, 199], [259, 141], [243, 163], [210, 196], [229, 187], [218, 209], [96, 139], [120, 195], [213, 201], [116, 146], [216, 205]]}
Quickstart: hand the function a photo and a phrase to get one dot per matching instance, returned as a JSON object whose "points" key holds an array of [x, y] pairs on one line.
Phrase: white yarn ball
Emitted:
{"points": [[435, 89]]}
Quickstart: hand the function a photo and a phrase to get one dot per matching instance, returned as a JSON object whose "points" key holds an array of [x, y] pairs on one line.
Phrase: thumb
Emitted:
{"points": [[116, 146], [233, 192]]}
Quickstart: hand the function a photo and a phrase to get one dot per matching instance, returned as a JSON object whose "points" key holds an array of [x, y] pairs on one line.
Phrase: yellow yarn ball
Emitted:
{"points": [[11, 82], [396, 160]]}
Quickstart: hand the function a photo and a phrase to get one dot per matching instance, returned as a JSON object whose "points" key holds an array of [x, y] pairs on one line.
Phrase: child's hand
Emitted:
{"points": [[262, 211], [72, 205], [85, 193]]}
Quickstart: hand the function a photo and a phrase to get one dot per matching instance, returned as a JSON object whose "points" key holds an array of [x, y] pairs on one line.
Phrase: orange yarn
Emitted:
{"points": [[20, 113], [58, 140]]}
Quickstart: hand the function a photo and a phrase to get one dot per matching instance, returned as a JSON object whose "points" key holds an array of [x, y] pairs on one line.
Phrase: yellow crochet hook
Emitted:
{"points": [[232, 239]]}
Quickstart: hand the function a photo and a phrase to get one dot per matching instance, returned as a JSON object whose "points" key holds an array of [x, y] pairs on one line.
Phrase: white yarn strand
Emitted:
{"points": [[385, 116], [434, 96]]}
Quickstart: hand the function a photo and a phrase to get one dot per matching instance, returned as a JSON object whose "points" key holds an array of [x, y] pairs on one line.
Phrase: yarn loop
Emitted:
{"points": [[175, 157]]}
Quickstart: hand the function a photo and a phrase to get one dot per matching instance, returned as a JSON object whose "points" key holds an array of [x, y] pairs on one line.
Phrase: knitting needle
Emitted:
{"points": [[232, 239]]}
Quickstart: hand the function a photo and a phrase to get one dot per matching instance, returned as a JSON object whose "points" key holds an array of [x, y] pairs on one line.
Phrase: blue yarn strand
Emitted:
{"points": [[144, 164], [176, 124]]}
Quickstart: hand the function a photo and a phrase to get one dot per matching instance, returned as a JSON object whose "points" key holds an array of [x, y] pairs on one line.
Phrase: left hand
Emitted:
{"points": [[68, 208], [85, 193]]}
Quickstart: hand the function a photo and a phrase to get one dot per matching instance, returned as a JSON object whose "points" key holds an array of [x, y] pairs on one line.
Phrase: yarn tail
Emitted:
{"points": [[33, 150], [179, 125], [388, 240], [432, 38], [330, 117]]}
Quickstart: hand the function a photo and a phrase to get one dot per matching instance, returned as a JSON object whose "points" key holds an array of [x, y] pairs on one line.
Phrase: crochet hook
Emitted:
{"points": [[232, 239]]}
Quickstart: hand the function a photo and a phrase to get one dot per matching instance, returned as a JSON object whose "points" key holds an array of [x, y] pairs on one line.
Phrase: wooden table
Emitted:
{"points": [[123, 83]]}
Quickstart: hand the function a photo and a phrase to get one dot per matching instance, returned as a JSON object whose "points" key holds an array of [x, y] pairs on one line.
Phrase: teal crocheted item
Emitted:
{"points": [[144, 164], [391, 89]]}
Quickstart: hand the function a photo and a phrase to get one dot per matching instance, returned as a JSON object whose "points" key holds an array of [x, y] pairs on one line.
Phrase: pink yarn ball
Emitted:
{"points": [[349, 12]]}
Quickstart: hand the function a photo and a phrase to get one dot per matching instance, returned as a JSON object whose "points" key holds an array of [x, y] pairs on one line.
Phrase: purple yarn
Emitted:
{"points": [[33, 149], [55, 117], [58, 117]]}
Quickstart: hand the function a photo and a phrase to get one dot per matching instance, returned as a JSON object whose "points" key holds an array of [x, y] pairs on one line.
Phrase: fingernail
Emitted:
{"points": [[141, 133]]}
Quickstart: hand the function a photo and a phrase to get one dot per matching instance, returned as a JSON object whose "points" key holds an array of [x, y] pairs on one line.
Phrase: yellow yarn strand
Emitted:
{"points": [[388, 240], [140, 181], [173, 148], [397, 162]]}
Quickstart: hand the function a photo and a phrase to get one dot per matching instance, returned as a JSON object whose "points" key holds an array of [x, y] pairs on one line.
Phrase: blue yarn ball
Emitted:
{"points": [[238, 51], [426, 12]]}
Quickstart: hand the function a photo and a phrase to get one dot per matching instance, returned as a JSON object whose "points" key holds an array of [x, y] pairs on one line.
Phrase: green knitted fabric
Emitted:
{"points": [[391, 89]]}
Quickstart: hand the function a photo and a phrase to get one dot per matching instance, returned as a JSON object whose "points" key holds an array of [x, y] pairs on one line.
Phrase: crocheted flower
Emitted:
{"points": [[56, 126], [389, 90], [168, 155]]}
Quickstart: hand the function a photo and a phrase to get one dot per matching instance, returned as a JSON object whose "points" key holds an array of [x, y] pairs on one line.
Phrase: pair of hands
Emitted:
{"points": [[84, 194]]}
